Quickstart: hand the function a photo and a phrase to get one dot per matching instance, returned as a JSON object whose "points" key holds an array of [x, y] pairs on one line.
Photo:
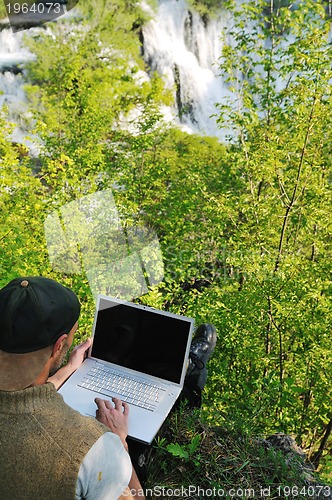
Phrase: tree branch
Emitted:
{"points": [[296, 187]]}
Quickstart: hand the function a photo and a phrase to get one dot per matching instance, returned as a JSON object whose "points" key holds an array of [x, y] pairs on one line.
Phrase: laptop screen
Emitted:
{"points": [[140, 338]]}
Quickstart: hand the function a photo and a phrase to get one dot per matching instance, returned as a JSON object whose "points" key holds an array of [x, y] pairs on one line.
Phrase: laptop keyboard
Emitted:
{"points": [[130, 389]]}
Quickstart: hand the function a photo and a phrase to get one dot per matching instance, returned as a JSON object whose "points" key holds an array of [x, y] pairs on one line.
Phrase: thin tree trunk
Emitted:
{"points": [[296, 187], [318, 455]]}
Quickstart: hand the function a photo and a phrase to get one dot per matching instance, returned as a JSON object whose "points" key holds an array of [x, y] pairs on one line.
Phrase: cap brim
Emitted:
{"points": [[18, 371]]}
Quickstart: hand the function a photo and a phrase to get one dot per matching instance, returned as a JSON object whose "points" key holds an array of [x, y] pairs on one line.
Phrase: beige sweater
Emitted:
{"points": [[42, 444]]}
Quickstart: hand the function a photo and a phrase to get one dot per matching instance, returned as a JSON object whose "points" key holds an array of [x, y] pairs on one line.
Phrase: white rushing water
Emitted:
{"points": [[13, 56], [185, 50], [178, 44]]}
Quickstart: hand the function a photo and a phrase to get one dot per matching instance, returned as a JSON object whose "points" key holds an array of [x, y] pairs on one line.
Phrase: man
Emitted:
{"points": [[48, 450]]}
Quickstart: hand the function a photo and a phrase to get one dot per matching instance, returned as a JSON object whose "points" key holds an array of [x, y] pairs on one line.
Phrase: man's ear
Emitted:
{"points": [[59, 345]]}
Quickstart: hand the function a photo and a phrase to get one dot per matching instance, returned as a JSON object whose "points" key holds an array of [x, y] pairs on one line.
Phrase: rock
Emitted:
{"points": [[295, 456]]}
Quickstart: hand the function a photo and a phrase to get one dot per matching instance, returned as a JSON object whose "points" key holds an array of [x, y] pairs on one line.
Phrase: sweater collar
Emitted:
{"points": [[27, 400]]}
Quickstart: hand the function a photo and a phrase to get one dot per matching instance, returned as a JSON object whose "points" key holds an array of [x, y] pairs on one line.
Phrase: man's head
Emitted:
{"points": [[35, 314]]}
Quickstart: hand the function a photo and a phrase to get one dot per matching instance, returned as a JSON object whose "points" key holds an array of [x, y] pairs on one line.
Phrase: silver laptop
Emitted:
{"points": [[138, 354]]}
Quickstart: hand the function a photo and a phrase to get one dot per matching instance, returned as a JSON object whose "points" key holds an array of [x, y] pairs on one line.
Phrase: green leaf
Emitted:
{"points": [[177, 450]]}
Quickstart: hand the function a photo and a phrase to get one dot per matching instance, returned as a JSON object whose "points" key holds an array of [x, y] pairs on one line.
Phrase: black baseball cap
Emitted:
{"points": [[34, 313]]}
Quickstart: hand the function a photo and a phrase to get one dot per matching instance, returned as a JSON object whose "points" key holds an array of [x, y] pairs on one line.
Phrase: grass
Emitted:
{"points": [[192, 460]]}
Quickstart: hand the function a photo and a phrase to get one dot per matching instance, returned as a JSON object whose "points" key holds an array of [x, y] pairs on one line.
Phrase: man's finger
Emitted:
{"points": [[109, 405], [101, 403], [125, 408], [85, 345], [117, 403]]}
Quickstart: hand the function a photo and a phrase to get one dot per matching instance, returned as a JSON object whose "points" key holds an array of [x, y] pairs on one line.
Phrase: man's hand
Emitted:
{"points": [[78, 355], [76, 358], [115, 417]]}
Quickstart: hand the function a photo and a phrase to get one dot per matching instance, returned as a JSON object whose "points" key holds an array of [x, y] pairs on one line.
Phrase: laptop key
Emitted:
{"points": [[108, 383]]}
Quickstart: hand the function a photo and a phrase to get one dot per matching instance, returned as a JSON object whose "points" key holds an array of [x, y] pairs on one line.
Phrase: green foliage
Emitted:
{"points": [[23, 208], [3, 12], [225, 461], [117, 22], [207, 8], [187, 451], [82, 92], [86, 87], [21, 204], [276, 350]]}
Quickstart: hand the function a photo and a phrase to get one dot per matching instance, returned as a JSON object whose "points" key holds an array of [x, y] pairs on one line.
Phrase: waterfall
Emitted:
{"points": [[184, 49], [177, 43]]}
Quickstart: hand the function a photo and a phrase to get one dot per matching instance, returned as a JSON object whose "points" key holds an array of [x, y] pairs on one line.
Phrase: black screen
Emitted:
{"points": [[141, 339]]}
